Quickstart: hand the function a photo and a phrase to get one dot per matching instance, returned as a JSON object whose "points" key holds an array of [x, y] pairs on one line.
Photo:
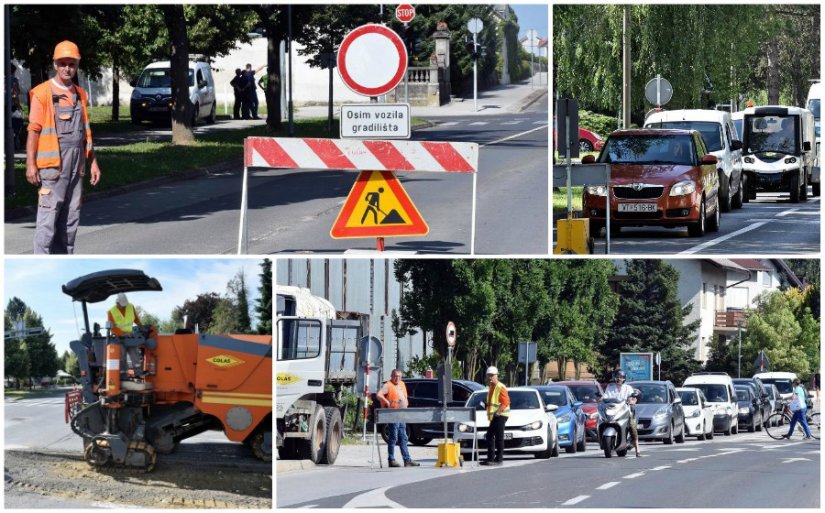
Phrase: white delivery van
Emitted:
{"points": [[721, 140], [152, 94], [783, 381], [778, 150], [813, 105], [719, 392]]}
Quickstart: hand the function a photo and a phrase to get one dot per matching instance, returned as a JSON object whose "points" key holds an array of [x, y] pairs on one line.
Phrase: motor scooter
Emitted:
{"points": [[614, 426]]}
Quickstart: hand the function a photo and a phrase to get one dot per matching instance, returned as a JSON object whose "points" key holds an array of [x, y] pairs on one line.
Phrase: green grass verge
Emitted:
{"points": [[560, 199], [133, 163], [30, 394]]}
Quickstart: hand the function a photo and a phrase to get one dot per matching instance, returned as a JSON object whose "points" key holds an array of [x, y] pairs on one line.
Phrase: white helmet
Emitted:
{"points": [[492, 370], [121, 300]]}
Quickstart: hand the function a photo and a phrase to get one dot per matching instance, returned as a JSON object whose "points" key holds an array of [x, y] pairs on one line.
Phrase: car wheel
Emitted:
{"points": [[543, 455], [680, 438], [815, 189], [416, 440], [572, 448], [710, 432], [697, 229], [583, 445], [736, 202], [794, 188], [735, 429], [585, 145], [715, 220], [724, 192], [556, 451], [669, 439], [746, 194], [195, 111], [211, 119]]}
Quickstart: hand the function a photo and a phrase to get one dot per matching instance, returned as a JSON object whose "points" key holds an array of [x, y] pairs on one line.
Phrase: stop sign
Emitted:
{"points": [[405, 13]]}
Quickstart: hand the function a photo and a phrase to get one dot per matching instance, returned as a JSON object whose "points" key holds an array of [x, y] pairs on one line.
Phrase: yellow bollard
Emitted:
{"points": [[449, 454], [573, 237]]}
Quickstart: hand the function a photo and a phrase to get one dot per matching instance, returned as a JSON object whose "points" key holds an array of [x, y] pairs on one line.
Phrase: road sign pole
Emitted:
{"points": [[444, 398], [475, 73], [406, 77], [242, 242], [473, 219]]}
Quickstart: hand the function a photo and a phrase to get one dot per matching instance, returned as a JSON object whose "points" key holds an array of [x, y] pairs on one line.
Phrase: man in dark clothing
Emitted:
{"points": [[251, 91], [238, 84]]}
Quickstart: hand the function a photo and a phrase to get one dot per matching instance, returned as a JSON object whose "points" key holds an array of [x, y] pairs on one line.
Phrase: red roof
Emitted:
{"points": [[751, 264]]}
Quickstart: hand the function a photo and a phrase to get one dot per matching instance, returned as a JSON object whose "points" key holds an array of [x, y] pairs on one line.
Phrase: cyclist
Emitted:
{"points": [[799, 408]]}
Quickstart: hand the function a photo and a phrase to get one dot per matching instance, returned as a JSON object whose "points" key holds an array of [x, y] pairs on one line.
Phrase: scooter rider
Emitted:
{"points": [[618, 389]]}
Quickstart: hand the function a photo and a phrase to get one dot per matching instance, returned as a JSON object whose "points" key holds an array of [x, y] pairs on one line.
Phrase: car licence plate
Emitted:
{"points": [[508, 436], [158, 109], [637, 207]]}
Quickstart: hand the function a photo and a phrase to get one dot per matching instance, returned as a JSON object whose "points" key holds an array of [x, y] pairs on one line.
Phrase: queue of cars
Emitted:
{"points": [[685, 167]]}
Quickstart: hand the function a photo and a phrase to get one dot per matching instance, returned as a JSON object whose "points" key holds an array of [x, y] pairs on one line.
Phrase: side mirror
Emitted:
{"points": [[551, 407], [678, 400], [709, 160], [588, 159], [806, 146], [735, 145], [133, 83], [202, 84], [577, 404]]}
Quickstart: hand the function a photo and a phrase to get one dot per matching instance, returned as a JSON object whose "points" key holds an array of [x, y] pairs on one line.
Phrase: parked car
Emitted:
{"points": [[659, 414], [782, 380], [570, 418], [761, 395], [698, 413], [152, 95], [721, 140], [660, 177], [718, 389], [531, 427], [750, 412], [588, 141], [423, 393], [589, 393], [777, 405]]}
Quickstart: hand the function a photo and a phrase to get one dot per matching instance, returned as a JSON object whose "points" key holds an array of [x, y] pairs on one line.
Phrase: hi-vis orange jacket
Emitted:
{"points": [[48, 149], [392, 393], [497, 396]]}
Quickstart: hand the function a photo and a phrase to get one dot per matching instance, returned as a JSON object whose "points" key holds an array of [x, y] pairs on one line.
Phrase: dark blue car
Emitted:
{"points": [[569, 416]]}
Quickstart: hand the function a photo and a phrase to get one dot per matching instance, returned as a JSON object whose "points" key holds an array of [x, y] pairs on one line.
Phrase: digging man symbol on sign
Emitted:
{"points": [[373, 199]]}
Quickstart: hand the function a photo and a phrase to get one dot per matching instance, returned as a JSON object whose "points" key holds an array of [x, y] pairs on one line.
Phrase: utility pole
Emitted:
{"points": [[739, 334], [626, 67], [291, 126]]}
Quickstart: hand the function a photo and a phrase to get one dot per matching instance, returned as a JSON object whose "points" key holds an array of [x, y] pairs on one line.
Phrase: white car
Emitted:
{"points": [[698, 413], [530, 429]]}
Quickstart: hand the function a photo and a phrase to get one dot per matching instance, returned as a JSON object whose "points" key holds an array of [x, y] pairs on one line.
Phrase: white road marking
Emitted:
{"points": [[660, 468], [513, 136], [791, 460], [721, 239], [687, 460], [789, 212], [576, 500], [448, 123], [539, 122], [512, 122], [479, 123], [633, 476], [372, 499], [608, 485]]}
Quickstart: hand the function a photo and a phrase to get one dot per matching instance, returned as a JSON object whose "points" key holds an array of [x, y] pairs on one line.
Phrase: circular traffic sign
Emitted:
{"points": [[474, 25], [372, 60], [405, 13], [450, 334], [665, 91]]}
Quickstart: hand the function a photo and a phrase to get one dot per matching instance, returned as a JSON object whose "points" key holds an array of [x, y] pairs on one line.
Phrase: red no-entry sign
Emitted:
{"points": [[372, 60], [405, 13]]}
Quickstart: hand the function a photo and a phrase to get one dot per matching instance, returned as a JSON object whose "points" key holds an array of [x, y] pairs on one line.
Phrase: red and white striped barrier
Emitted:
{"points": [[353, 155]]}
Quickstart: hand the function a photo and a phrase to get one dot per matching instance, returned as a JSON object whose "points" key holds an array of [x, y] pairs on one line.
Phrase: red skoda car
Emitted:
{"points": [[660, 177]]}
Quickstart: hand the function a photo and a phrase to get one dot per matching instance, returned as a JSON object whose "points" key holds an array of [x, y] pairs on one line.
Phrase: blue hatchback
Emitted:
{"points": [[569, 416]]}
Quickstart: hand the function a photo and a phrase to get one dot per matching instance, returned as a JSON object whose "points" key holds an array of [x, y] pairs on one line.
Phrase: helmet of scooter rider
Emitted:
{"points": [[619, 375]]}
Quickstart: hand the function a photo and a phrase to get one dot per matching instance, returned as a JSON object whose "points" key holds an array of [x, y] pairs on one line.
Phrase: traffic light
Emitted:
{"points": [[472, 48]]}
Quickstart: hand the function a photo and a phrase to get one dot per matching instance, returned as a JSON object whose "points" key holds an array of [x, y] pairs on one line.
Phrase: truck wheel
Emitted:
{"points": [[420, 440], [335, 431], [803, 191], [794, 188], [746, 193], [316, 447], [815, 189]]}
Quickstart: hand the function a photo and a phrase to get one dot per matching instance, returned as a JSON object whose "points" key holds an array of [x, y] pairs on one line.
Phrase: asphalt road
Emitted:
{"points": [[746, 470], [770, 223], [293, 211]]}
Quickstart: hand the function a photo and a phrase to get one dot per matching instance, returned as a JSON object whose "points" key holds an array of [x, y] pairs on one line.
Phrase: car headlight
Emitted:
{"points": [[465, 428], [596, 190], [661, 414], [728, 410], [696, 413], [749, 160], [682, 188], [790, 160], [744, 411], [532, 426], [564, 418]]}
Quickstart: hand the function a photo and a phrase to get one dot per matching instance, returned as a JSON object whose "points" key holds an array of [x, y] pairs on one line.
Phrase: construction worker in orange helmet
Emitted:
{"points": [[59, 144]]}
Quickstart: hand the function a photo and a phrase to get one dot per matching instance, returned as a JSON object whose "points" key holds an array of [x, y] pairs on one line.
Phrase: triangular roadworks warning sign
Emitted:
{"points": [[378, 206]]}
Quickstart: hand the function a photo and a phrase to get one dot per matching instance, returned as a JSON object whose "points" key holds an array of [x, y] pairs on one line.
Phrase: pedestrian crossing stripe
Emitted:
{"points": [[378, 206]]}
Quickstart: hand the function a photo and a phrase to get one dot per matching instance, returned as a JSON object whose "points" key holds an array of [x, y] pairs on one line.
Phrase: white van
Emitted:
{"points": [[783, 381], [152, 96], [813, 103], [719, 392], [779, 150], [720, 137]]}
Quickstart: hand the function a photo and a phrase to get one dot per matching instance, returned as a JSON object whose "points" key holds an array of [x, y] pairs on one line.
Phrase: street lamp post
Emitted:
{"points": [[739, 335]]}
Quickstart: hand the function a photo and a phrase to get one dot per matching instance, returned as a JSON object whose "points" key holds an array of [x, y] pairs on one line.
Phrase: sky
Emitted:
{"points": [[38, 282], [532, 17]]}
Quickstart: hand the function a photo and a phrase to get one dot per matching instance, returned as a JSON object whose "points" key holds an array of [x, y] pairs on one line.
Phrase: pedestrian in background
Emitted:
{"points": [[59, 144], [799, 408], [498, 410], [238, 84], [252, 91], [394, 395]]}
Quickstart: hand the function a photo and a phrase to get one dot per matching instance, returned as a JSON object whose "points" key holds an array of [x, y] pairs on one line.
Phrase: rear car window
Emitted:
{"points": [[649, 149]]}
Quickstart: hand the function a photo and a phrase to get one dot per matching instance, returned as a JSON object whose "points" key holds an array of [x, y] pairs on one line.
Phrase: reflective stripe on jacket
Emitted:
{"points": [[48, 148], [123, 321], [392, 394], [497, 396]]}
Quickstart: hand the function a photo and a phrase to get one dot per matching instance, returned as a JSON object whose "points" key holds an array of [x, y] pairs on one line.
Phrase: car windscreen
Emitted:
{"points": [[771, 134], [813, 106], [742, 394], [783, 385], [689, 398], [160, 78], [651, 393], [524, 400], [714, 393], [556, 397], [649, 149], [711, 132], [584, 393]]}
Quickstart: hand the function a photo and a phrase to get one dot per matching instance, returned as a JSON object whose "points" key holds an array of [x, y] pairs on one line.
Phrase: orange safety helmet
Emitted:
{"points": [[66, 50]]}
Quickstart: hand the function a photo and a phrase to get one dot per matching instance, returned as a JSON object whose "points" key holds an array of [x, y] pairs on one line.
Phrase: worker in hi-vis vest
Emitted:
{"points": [[59, 145], [123, 316], [394, 395], [498, 409]]}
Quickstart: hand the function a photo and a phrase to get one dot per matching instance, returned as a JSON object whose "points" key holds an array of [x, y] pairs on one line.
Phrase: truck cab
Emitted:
{"points": [[813, 105], [779, 150]]}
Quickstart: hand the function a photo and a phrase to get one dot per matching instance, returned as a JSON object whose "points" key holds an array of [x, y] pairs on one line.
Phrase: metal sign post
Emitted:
{"points": [[474, 25], [451, 337]]}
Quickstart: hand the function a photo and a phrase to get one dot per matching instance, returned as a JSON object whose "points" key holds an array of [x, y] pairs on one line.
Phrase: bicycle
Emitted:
{"points": [[778, 422]]}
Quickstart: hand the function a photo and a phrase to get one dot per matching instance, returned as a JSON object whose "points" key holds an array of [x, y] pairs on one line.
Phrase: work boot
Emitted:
{"points": [[394, 464], [411, 463], [495, 463]]}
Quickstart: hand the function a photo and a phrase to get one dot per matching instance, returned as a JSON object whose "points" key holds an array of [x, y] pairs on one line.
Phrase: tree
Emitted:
{"points": [[42, 355], [263, 307], [70, 364], [773, 327], [237, 288], [723, 356], [198, 311], [651, 318], [225, 318], [175, 21], [15, 309]]}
